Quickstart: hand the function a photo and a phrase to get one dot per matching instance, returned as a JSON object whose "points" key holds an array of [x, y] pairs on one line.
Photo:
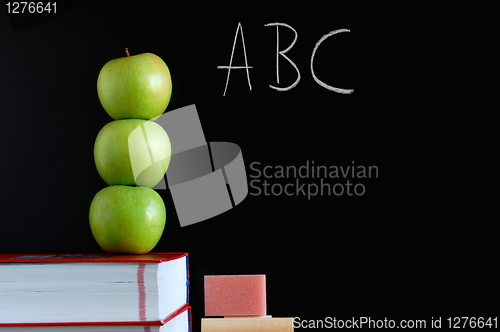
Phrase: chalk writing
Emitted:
{"points": [[240, 29], [326, 86], [282, 53]]}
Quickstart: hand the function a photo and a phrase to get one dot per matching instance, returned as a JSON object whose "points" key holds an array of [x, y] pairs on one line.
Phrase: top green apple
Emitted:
{"points": [[135, 87]]}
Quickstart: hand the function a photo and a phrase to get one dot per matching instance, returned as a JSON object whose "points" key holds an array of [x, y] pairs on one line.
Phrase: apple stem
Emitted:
{"points": [[126, 51]]}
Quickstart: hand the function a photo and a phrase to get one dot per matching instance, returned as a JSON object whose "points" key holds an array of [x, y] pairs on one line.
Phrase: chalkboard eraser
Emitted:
{"points": [[247, 324], [235, 295]]}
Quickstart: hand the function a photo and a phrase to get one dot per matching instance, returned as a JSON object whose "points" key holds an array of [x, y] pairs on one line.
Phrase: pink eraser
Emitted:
{"points": [[235, 295]]}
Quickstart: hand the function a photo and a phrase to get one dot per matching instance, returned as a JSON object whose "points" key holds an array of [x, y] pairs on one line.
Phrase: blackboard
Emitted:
{"points": [[380, 98]]}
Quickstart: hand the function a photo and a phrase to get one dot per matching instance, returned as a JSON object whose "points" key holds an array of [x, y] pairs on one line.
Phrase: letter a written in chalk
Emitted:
{"points": [[246, 66]]}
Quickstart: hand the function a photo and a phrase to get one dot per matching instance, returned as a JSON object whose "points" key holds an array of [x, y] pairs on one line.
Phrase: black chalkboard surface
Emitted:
{"points": [[374, 95]]}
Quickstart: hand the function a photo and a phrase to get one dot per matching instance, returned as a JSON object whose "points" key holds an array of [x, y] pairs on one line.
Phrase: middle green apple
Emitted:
{"points": [[132, 152]]}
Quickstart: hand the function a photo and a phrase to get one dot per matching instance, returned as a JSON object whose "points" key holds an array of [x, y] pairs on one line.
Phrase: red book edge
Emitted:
{"points": [[139, 323], [91, 258]]}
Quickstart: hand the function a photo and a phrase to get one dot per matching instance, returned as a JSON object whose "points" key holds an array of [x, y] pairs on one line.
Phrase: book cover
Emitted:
{"points": [[91, 258]]}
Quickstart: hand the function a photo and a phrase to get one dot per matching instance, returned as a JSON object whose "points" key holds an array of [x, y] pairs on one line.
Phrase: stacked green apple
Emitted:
{"points": [[132, 154]]}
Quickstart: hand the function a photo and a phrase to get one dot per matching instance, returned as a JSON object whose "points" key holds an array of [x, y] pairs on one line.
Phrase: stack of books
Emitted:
{"points": [[95, 293]]}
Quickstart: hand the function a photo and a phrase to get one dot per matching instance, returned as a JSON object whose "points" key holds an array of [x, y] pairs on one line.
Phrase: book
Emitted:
{"points": [[179, 321], [92, 287]]}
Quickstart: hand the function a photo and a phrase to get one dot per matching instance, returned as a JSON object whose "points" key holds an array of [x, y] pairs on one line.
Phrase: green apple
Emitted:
{"points": [[132, 152], [135, 87], [127, 219]]}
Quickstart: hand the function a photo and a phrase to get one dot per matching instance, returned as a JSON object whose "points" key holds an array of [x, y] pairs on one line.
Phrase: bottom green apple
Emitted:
{"points": [[127, 219]]}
